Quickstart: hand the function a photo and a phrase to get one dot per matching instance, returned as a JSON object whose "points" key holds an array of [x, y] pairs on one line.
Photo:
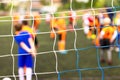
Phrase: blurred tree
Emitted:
{"points": [[5, 7], [45, 2], [106, 3], [65, 1], [2, 6], [81, 5], [100, 3], [75, 5], [116, 3]]}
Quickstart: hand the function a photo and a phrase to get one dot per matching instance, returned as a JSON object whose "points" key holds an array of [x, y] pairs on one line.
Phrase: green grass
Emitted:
{"points": [[47, 62]]}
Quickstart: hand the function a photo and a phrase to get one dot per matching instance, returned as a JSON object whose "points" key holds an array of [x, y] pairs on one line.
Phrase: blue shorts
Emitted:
{"points": [[25, 60]]}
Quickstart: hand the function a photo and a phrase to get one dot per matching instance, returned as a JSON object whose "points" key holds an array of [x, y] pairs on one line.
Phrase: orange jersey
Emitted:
{"points": [[61, 28], [53, 23], [97, 24], [61, 24], [37, 19], [16, 19], [109, 31], [118, 28]]}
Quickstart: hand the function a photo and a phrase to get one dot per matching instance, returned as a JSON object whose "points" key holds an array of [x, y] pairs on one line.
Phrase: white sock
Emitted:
{"points": [[21, 73], [109, 54], [28, 73]]}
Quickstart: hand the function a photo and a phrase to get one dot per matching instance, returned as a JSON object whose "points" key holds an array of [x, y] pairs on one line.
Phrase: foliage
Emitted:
{"points": [[44, 2], [5, 7], [76, 5], [96, 4]]}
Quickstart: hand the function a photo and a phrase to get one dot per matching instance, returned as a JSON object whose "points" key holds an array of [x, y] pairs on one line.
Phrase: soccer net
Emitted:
{"points": [[67, 53]]}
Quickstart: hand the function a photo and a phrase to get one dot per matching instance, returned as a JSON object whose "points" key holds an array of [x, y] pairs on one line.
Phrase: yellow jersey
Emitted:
{"points": [[28, 29]]}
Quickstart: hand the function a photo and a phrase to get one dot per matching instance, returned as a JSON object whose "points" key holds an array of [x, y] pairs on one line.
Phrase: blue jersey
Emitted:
{"points": [[23, 60], [118, 39], [23, 36]]}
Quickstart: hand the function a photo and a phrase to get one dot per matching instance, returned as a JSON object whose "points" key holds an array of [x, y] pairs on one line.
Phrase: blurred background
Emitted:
{"points": [[80, 64], [44, 6]]}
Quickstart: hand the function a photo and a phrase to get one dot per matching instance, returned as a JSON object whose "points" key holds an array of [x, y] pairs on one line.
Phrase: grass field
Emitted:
{"points": [[82, 63]]}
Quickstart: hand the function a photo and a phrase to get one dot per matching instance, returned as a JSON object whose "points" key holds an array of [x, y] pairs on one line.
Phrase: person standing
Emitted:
{"points": [[107, 36], [26, 52]]}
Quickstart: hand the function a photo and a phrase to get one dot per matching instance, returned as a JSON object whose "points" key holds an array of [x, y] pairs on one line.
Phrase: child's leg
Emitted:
{"points": [[109, 55], [21, 73], [28, 73], [29, 65], [102, 55]]}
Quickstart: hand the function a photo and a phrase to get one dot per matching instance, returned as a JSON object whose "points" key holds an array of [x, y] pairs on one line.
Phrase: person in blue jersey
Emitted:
{"points": [[26, 52]]}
